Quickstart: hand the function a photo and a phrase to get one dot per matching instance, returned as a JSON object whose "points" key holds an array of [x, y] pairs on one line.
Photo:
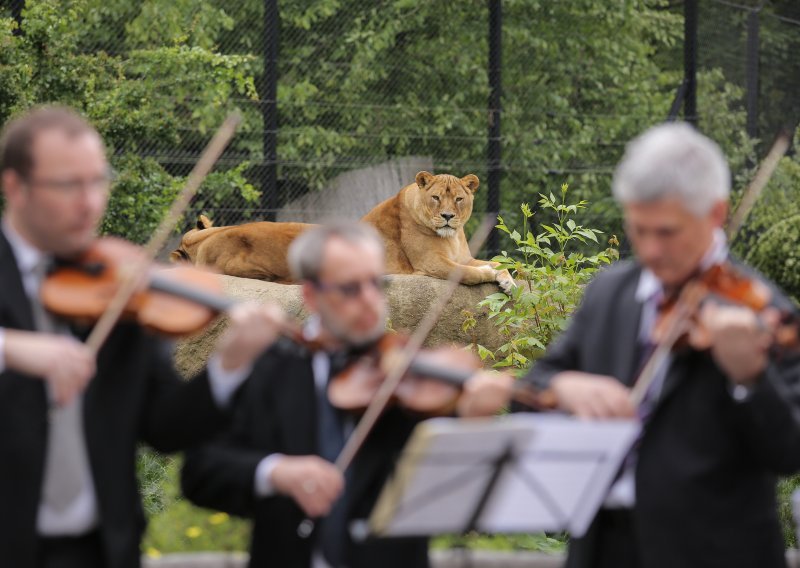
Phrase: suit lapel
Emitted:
{"points": [[626, 345], [676, 374], [15, 308]]}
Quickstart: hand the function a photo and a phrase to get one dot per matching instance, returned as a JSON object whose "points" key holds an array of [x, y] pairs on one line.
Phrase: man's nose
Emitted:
{"points": [[649, 248]]}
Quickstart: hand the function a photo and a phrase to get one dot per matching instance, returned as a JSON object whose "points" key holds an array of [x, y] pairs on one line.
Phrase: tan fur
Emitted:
{"points": [[418, 238], [252, 250]]}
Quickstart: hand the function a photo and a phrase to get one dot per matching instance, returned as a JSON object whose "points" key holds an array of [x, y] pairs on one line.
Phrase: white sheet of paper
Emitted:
{"points": [[561, 474]]}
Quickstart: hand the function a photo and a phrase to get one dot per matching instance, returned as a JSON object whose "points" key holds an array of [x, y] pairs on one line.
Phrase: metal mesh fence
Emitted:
{"points": [[352, 97]]}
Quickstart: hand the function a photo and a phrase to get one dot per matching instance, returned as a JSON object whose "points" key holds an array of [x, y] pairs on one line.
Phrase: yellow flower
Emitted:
{"points": [[153, 553], [194, 532], [218, 518]]}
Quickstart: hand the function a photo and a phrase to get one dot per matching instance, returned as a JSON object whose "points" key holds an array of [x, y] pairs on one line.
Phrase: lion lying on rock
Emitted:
{"points": [[422, 228], [251, 250]]}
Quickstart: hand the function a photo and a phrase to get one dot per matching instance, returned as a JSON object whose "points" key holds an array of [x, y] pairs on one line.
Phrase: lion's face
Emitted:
{"points": [[446, 201]]}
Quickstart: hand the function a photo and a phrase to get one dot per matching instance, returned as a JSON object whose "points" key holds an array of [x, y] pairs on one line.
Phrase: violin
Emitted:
{"points": [[174, 301], [725, 282], [431, 385], [678, 324]]}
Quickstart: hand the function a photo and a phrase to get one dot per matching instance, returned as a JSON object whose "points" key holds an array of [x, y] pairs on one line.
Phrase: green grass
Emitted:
{"points": [[175, 525]]}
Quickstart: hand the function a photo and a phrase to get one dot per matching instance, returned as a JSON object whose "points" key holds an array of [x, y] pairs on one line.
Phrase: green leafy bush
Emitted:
{"points": [[551, 268], [769, 240]]}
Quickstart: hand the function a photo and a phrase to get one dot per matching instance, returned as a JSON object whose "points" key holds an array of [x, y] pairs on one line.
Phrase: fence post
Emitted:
{"points": [[751, 72], [269, 111], [16, 12], [495, 109], [690, 61]]}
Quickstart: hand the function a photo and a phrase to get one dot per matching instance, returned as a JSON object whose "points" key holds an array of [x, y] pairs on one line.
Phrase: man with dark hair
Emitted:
{"points": [[275, 463], [69, 425]]}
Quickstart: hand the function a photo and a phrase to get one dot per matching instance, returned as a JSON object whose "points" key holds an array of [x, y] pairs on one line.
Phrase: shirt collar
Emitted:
{"points": [[27, 256], [650, 286]]}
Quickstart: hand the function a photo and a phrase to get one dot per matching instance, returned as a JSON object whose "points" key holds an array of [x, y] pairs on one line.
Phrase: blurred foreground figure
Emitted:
{"points": [[70, 425], [719, 422], [275, 464]]}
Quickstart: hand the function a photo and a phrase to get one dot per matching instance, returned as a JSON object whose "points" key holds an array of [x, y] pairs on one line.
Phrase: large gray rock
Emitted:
{"points": [[410, 297]]}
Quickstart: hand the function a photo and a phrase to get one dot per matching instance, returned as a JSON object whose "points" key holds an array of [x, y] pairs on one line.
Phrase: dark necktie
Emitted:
{"points": [[330, 439]]}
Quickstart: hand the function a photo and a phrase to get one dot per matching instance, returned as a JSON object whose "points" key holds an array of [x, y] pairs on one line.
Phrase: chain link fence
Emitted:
{"points": [[350, 98]]}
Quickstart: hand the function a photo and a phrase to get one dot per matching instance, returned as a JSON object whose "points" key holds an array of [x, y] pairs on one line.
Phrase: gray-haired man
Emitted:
{"points": [[718, 424], [275, 464]]}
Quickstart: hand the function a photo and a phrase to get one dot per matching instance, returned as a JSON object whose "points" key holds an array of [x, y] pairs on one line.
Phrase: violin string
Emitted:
{"points": [[132, 280]]}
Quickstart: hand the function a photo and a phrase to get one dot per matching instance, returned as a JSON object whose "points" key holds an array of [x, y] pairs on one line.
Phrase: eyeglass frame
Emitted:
{"points": [[353, 289], [72, 187]]}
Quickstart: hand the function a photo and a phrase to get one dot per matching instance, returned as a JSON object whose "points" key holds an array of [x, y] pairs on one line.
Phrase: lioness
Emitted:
{"points": [[423, 230], [252, 250]]}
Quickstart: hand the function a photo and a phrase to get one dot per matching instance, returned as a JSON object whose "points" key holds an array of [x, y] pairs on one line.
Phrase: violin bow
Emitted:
{"points": [[133, 278], [759, 182]]}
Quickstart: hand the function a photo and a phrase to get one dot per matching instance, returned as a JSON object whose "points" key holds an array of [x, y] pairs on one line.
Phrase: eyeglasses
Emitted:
{"points": [[353, 289], [73, 187]]}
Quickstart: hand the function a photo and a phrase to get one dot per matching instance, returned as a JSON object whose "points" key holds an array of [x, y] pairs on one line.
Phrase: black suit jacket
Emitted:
{"points": [[135, 395], [276, 412], [705, 477]]}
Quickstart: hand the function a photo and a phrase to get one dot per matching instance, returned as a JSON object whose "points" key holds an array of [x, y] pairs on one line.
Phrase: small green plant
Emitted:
{"points": [[551, 268]]}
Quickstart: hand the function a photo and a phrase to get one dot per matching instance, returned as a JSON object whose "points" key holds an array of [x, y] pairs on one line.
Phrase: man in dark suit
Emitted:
{"points": [[275, 463], [69, 425], [719, 424]]}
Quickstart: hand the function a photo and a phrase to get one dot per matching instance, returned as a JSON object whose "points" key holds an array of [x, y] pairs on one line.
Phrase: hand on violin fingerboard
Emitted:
{"points": [[485, 394], [739, 339], [587, 395], [253, 329], [62, 361]]}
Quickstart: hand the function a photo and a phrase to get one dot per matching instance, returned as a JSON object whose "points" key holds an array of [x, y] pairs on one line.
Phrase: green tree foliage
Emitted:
{"points": [[149, 100], [769, 239]]}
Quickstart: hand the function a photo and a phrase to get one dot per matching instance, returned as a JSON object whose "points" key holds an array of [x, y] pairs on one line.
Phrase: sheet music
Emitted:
{"points": [[561, 473]]}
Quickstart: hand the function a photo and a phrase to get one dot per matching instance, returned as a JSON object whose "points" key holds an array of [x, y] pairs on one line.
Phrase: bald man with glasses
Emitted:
{"points": [[274, 465]]}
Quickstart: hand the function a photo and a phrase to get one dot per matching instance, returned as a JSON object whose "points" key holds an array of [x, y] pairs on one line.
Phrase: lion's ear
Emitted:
{"points": [[204, 222], [179, 255], [424, 179], [471, 181]]}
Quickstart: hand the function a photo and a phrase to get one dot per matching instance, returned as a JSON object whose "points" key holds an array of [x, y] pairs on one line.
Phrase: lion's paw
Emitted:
{"points": [[504, 280]]}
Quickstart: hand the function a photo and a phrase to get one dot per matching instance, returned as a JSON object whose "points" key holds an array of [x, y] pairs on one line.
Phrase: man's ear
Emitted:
{"points": [[13, 186], [424, 179], [309, 297], [719, 213]]}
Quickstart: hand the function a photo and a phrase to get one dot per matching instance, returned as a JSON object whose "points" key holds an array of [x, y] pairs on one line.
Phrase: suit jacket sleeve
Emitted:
{"points": [[177, 413], [221, 475], [770, 419]]}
